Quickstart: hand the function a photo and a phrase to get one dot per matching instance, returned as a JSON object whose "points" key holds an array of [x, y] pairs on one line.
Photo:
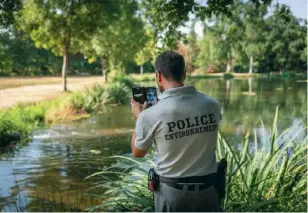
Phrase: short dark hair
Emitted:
{"points": [[171, 65]]}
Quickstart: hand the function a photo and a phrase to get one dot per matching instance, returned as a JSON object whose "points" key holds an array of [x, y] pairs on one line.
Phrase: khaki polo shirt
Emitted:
{"points": [[182, 126]]}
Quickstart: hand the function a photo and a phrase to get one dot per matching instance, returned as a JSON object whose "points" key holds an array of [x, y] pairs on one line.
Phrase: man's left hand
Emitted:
{"points": [[137, 108]]}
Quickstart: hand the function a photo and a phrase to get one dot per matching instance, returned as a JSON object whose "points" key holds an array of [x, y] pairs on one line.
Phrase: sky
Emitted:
{"points": [[298, 8]]}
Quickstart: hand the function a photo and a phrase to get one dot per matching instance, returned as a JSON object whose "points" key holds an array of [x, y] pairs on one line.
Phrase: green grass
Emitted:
{"points": [[267, 175], [20, 119]]}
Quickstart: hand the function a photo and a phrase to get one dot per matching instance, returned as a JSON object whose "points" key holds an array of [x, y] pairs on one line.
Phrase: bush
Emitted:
{"points": [[20, 121], [289, 75], [125, 80], [269, 175], [228, 76], [94, 98], [117, 93]]}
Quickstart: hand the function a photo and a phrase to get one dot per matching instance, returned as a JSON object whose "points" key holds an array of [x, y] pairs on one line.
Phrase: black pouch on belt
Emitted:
{"points": [[220, 183], [153, 180]]}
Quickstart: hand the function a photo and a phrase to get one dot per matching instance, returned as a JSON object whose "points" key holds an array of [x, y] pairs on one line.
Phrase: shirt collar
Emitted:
{"points": [[177, 91]]}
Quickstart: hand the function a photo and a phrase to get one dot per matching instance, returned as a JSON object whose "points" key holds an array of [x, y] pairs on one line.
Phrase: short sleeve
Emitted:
{"points": [[144, 134], [219, 112]]}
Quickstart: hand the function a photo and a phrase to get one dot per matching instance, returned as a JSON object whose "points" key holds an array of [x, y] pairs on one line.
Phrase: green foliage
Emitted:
{"points": [[259, 178], [228, 76], [58, 24], [19, 57], [286, 41], [252, 38], [117, 93], [8, 8], [125, 80], [212, 54], [148, 52], [167, 16], [119, 42], [21, 120]]}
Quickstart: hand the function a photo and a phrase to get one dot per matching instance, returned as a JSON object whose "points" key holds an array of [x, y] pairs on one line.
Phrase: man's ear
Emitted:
{"points": [[159, 77]]}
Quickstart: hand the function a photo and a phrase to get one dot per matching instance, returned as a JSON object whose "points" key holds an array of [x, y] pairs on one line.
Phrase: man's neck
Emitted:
{"points": [[174, 84]]}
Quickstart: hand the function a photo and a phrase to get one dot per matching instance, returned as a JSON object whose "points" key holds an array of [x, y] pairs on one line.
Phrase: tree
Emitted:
{"points": [[193, 46], [213, 53], [254, 33], [286, 41], [165, 16], [7, 10], [148, 52], [20, 57], [121, 41], [64, 25], [226, 30]]}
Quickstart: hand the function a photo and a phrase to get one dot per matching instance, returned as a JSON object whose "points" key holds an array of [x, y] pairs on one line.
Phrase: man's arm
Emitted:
{"points": [[136, 152], [136, 110]]}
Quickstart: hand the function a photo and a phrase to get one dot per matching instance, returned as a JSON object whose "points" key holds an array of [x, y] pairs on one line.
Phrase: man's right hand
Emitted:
{"points": [[137, 108]]}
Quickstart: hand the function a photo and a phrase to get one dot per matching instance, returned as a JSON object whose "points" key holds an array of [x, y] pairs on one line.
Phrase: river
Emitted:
{"points": [[48, 173]]}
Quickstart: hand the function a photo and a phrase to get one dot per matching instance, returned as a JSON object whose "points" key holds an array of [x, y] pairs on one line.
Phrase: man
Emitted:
{"points": [[183, 128]]}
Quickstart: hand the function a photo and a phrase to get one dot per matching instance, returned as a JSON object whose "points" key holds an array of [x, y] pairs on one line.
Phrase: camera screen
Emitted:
{"points": [[151, 95]]}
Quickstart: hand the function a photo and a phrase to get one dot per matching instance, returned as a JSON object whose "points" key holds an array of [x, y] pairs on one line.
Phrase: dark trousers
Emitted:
{"points": [[169, 199]]}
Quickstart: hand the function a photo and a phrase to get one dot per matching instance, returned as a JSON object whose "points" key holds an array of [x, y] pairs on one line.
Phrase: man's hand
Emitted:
{"points": [[137, 108]]}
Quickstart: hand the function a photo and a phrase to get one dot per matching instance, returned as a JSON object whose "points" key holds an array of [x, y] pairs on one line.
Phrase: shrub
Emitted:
{"points": [[289, 75], [125, 80], [117, 93], [228, 76], [20, 120], [69, 109]]}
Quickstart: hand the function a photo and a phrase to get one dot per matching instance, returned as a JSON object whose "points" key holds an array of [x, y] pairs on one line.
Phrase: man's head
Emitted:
{"points": [[170, 70]]}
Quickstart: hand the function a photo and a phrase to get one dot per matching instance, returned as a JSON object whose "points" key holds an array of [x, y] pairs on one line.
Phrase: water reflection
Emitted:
{"points": [[49, 172]]}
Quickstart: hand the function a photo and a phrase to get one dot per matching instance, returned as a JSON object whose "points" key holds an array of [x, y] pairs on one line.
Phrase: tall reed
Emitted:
{"points": [[262, 175]]}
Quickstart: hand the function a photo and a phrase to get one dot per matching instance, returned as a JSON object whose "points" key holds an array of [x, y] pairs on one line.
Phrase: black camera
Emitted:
{"points": [[142, 94]]}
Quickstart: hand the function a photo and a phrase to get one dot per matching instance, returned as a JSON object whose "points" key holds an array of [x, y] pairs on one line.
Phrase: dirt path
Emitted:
{"points": [[36, 93]]}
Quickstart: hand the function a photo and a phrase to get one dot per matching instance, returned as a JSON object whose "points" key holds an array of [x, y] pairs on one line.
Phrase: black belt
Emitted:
{"points": [[203, 181], [189, 187]]}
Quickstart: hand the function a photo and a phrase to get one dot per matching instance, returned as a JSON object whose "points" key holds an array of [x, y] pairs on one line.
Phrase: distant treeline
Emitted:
{"points": [[249, 40], [45, 37], [19, 57]]}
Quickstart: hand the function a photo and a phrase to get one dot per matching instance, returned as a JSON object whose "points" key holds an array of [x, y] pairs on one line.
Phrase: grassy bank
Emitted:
{"points": [[194, 75], [267, 174], [17, 122]]}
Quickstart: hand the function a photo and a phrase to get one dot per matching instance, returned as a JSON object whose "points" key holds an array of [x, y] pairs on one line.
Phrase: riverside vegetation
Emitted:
{"points": [[268, 174], [19, 121]]}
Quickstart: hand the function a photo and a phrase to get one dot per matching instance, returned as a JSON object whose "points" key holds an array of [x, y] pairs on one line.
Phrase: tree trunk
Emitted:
{"points": [[280, 69], [251, 65], [250, 86], [64, 65], [228, 92], [104, 70], [229, 64], [228, 87], [141, 69]]}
